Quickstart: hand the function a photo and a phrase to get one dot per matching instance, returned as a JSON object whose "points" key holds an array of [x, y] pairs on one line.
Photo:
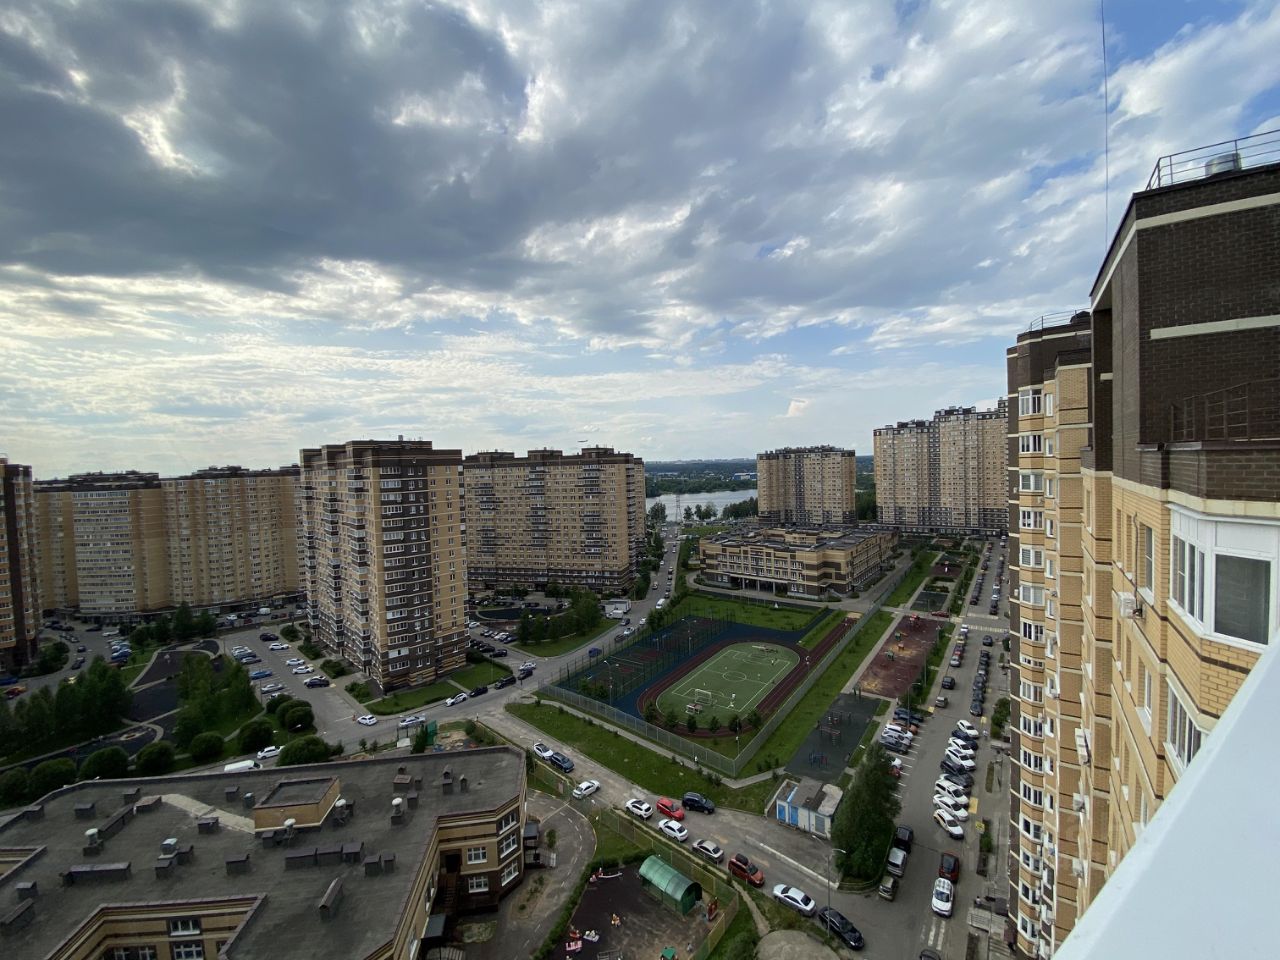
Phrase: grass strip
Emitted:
{"points": [[554, 648], [403, 700]]}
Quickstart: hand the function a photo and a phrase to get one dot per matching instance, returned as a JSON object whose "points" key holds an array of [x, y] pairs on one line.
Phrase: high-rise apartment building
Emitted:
{"points": [[811, 486], [20, 596], [944, 474], [113, 545], [384, 552], [548, 517], [1145, 526]]}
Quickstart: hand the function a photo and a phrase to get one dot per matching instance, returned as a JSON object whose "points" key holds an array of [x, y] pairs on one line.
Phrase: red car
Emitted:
{"points": [[949, 867], [670, 808], [744, 869]]}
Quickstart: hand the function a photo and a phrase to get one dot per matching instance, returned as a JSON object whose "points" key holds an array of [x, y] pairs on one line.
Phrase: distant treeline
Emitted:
{"points": [[657, 486]]}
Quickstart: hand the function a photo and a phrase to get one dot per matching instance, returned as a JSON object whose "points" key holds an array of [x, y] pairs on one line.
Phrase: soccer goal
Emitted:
{"points": [[703, 697]]}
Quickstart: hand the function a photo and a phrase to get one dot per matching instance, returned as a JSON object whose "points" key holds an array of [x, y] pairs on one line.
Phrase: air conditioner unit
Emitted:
{"points": [[1077, 802], [1050, 850], [1077, 867], [1128, 605]]}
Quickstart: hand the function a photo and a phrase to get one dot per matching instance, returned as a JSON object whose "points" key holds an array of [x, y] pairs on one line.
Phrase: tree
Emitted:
{"points": [[289, 633], [156, 758], [206, 625], [52, 774], [206, 747], [688, 514], [658, 513], [303, 750], [691, 723], [422, 740], [713, 724], [256, 734], [277, 702], [10, 734], [525, 631], [109, 763], [753, 719], [15, 787], [162, 630], [35, 716], [652, 714], [670, 719], [184, 622], [735, 723], [297, 717], [864, 821]]}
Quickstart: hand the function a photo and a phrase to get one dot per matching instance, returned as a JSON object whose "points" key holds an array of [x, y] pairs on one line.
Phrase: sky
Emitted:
{"points": [[230, 230]]}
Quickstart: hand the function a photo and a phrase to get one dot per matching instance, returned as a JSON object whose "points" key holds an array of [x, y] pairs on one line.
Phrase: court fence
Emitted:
{"points": [[704, 756]]}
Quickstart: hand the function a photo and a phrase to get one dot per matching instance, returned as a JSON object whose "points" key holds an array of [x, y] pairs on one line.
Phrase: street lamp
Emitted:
{"points": [[833, 850]]}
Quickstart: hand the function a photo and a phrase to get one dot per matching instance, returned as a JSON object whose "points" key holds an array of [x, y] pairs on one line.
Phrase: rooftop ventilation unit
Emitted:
{"points": [[1223, 163]]}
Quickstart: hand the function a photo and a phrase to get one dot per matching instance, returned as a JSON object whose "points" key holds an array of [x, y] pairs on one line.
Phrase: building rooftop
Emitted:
{"points": [[795, 538], [283, 920]]}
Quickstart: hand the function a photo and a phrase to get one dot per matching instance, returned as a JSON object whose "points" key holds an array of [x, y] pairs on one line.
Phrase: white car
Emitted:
{"points": [[528, 665], [368, 720], [411, 720], [627, 632], [639, 809], [951, 789], [303, 670], [542, 751], [709, 850], [294, 662], [278, 645], [795, 898], [944, 895], [955, 745], [234, 650], [967, 728], [944, 801], [947, 822], [674, 830], [898, 730], [585, 789], [271, 687], [266, 753], [456, 699], [643, 620], [959, 759]]}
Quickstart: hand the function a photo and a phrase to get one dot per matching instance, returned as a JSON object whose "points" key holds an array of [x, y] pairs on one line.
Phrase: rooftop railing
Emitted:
{"points": [[1246, 411], [1224, 157]]}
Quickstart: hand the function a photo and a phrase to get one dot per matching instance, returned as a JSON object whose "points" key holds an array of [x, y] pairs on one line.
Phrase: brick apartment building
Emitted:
{"points": [[810, 486], [1144, 511], [19, 567]]}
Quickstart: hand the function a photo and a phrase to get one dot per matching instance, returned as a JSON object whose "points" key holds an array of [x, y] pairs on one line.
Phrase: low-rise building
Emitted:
{"points": [[810, 562], [807, 805], [343, 860]]}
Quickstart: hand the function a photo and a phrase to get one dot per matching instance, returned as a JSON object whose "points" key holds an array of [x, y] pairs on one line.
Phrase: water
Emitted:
{"points": [[676, 502]]}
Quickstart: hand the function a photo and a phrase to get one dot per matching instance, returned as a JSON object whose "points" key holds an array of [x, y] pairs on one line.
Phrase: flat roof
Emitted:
{"points": [[776, 539], [286, 923]]}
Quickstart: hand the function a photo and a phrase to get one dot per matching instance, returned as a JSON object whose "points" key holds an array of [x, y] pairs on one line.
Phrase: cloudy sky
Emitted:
{"points": [[232, 229]]}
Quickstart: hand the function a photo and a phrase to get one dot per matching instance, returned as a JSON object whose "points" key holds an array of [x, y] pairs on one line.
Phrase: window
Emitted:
{"points": [[1030, 481], [477, 884], [193, 950], [1031, 557], [477, 855], [1029, 401], [1049, 486], [1148, 539], [510, 872], [1033, 795], [1048, 404], [509, 845], [1031, 519], [185, 927], [1187, 578], [1050, 569], [1182, 735], [1033, 631], [1031, 443], [1242, 598], [1048, 527], [1050, 445], [1031, 594], [508, 821]]}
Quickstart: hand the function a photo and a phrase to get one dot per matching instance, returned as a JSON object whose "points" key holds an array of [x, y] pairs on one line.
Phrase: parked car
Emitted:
{"points": [[478, 691], [674, 830], [267, 636], [368, 720], [585, 789], [960, 778], [962, 747], [525, 674], [696, 801], [988, 640], [948, 682], [266, 753], [839, 924], [956, 661], [944, 801], [895, 744], [304, 670], [965, 763], [270, 687], [456, 699], [542, 751], [888, 889], [944, 895], [504, 682], [528, 665], [499, 654], [949, 867], [411, 721], [316, 681], [947, 822], [742, 868], [256, 675], [901, 714], [952, 789], [795, 898], [903, 837], [638, 808], [941, 701], [670, 808], [293, 661], [967, 729], [559, 760], [278, 645], [77, 663], [897, 862], [81, 648], [975, 708], [708, 850]]}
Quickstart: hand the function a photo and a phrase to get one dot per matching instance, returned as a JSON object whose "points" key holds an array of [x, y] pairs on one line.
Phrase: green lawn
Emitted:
{"points": [[743, 926], [553, 648], [655, 772], [479, 673], [403, 700], [915, 576], [819, 629], [732, 680], [752, 614]]}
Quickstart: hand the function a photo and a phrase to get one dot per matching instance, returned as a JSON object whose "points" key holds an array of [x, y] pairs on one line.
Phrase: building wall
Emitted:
{"points": [[807, 485], [20, 584], [806, 563], [385, 557], [550, 518]]}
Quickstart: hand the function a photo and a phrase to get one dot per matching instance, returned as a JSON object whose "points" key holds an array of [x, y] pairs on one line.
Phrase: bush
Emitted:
{"points": [[51, 775], [205, 747], [109, 763], [297, 716], [256, 734], [310, 650], [15, 787], [156, 758], [359, 690], [279, 702], [304, 750], [335, 668]]}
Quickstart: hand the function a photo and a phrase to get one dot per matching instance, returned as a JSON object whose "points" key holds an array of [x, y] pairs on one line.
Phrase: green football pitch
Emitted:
{"points": [[733, 681]]}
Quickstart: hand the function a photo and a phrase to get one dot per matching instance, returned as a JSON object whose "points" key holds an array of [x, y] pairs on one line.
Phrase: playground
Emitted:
{"points": [[826, 750], [901, 658], [733, 680]]}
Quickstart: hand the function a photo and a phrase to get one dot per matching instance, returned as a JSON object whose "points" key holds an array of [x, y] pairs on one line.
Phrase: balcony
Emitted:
{"points": [[1247, 411]]}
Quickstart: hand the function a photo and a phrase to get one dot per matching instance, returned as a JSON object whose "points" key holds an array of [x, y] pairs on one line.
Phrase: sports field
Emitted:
{"points": [[733, 681]]}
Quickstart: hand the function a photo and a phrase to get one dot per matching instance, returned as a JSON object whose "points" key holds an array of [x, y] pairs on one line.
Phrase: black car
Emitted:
{"points": [[975, 708], [894, 744], [498, 654], [948, 682], [903, 836], [837, 923], [526, 673], [268, 637], [478, 690], [696, 801], [987, 640], [317, 682], [487, 648], [902, 713], [558, 759], [505, 682], [77, 663], [950, 767], [962, 779], [81, 648]]}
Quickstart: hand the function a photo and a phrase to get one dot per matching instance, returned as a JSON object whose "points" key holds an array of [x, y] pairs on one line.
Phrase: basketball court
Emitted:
{"points": [[733, 680]]}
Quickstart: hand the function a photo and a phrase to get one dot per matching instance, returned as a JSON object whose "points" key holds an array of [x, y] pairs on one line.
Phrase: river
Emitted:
{"points": [[676, 502]]}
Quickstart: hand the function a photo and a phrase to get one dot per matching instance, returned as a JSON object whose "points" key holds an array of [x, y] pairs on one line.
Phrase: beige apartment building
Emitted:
{"points": [[20, 594], [1145, 528], [347, 860], [946, 474], [384, 550], [550, 517], [799, 561], [809, 486], [113, 545]]}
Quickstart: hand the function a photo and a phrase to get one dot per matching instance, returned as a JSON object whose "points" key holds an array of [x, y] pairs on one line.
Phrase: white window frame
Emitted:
{"points": [[1031, 594], [1183, 737], [1032, 631], [509, 846], [192, 950], [1050, 487], [1049, 526], [510, 872], [1147, 546], [1031, 443], [1030, 519], [1031, 481], [478, 884], [1029, 401], [1031, 558], [477, 855], [184, 927], [1048, 405]]}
